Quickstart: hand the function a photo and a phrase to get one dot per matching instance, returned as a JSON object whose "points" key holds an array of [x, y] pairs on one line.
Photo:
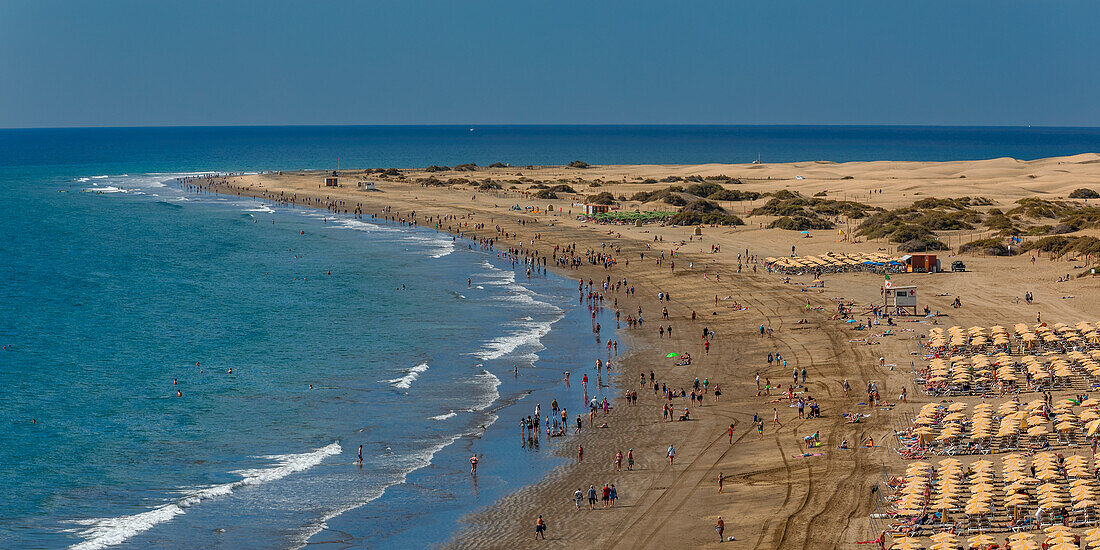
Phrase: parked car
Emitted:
{"points": [[957, 265]]}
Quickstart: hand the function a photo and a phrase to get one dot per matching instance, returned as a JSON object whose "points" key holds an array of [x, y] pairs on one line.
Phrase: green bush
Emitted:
{"points": [[432, 181], [734, 195], [1062, 245], [989, 247], [1084, 193], [800, 223], [704, 212], [922, 245], [703, 189], [1041, 208], [600, 198]]}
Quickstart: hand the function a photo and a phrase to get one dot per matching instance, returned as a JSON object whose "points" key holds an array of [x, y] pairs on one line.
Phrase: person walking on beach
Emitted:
{"points": [[721, 478], [775, 417], [720, 527], [630, 459], [578, 497], [540, 528], [729, 431], [473, 465], [591, 497], [671, 454], [619, 461], [580, 453], [360, 454]]}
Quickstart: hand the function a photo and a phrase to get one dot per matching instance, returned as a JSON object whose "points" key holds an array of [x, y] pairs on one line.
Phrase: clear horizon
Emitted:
{"points": [[125, 63], [551, 124]]}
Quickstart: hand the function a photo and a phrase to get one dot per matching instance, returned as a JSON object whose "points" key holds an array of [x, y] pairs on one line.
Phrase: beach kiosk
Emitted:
{"points": [[593, 209], [921, 263], [365, 185], [331, 181], [900, 299]]}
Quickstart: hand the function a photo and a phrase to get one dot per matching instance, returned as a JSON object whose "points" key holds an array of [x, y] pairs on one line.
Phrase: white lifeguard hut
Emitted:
{"points": [[365, 185], [900, 299]]}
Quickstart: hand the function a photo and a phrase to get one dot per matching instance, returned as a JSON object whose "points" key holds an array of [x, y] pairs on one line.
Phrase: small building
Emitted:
{"points": [[921, 263], [331, 181], [365, 185], [593, 209], [901, 298]]}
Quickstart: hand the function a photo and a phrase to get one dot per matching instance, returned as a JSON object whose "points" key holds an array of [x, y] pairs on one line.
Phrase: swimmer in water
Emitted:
{"points": [[179, 393], [360, 454]]}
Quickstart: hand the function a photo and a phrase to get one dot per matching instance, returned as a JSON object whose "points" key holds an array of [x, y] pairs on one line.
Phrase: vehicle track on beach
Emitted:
{"points": [[680, 491], [814, 523], [688, 489]]}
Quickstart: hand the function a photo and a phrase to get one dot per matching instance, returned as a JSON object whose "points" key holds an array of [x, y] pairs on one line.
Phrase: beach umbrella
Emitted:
{"points": [[980, 540], [673, 354], [1017, 500], [906, 543], [943, 537], [1092, 426]]}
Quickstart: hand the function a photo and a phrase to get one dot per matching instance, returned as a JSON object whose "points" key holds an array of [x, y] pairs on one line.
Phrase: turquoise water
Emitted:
{"points": [[116, 282], [120, 291]]}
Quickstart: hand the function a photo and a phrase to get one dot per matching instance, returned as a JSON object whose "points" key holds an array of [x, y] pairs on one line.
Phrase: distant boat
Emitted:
{"points": [[471, 129], [757, 161]]}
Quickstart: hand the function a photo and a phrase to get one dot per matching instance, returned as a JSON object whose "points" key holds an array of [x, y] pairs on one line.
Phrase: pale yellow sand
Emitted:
{"points": [[771, 499]]}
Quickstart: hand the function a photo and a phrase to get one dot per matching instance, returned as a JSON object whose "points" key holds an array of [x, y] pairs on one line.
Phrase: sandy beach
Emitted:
{"points": [[774, 496]]}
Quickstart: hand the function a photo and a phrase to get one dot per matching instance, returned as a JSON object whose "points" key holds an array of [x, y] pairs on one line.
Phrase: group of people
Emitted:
{"points": [[605, 497]]}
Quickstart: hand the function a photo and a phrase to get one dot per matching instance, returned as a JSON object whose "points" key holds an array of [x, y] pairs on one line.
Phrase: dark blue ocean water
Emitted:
{"points": [[118, 150], [118, 288]]}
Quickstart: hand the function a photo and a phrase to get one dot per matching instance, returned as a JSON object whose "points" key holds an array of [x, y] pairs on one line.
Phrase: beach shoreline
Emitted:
{"points": [[782, 498]]}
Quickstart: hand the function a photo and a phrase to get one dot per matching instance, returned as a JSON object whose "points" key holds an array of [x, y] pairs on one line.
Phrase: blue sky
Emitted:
{"points": [[142, 63]]}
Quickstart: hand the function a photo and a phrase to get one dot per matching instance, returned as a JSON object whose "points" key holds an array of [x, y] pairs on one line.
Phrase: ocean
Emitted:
{"points": [[119, 288]]}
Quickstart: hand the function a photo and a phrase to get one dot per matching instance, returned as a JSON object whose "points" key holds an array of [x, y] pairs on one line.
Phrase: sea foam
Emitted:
{"points": [[104, 532], [411, 375]]}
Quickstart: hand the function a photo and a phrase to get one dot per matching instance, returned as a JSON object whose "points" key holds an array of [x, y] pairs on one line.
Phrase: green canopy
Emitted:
{"points": [[673, 354]]}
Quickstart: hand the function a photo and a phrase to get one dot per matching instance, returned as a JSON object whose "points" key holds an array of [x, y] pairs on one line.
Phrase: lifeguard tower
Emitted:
{"points": [[900, 299]]}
